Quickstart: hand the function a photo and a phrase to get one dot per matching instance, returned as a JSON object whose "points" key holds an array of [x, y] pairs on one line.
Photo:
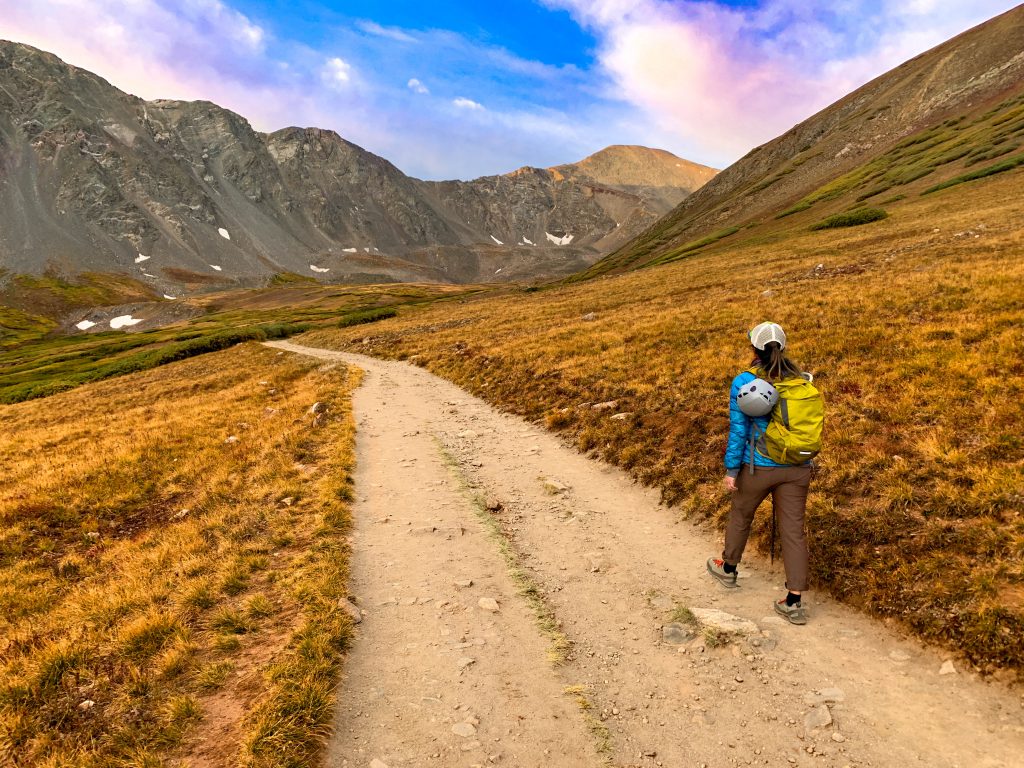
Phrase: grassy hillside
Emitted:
{"points": [[912, 325], [172, 552], [946, 117]]}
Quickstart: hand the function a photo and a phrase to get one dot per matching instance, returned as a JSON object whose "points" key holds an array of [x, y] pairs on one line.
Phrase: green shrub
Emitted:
{"points": [[367, 316], [803, 205], [1006, 165], [851, 218]]}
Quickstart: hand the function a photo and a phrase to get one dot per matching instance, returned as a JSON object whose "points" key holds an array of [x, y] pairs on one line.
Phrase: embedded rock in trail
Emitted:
{"points": [[725, 623], [676, 634], [184, 196], [817, 717]]}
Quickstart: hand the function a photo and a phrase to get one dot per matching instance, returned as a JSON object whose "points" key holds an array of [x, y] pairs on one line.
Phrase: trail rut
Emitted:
{"points": [[577, 549]]}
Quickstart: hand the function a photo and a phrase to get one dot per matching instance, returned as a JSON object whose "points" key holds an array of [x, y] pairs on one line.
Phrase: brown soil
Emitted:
{"points": [[610, 565]]}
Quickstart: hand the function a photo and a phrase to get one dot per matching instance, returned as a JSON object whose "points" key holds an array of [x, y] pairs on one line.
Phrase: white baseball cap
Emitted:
{"points": [[764, 333]]}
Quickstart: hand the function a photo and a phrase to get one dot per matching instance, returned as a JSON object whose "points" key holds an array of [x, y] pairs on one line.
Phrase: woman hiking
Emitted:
{"points": [[751, 474]]}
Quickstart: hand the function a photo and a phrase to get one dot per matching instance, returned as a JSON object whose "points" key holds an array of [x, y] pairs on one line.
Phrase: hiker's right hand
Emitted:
{"points": [[730, 484]]}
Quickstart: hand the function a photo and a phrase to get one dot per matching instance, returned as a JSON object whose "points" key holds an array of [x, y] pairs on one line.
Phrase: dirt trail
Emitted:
{"points": [[610, 565]]}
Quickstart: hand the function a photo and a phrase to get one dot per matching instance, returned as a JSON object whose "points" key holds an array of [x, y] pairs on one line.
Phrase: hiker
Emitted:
{"points": [[765, 390]]}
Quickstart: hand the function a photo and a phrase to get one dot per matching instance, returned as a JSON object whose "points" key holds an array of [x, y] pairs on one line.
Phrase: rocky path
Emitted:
{"points": [[466, 607]]}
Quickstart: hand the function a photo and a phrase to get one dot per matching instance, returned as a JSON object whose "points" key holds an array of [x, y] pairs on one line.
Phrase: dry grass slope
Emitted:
{"points": [[913, 328], [168, 592]]}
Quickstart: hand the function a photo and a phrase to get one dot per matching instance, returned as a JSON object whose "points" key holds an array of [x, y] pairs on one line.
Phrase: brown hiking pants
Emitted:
{"points": [[788, 487]]}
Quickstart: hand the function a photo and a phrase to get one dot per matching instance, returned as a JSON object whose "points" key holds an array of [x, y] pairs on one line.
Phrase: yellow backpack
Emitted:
{"points": [[795, 427]]}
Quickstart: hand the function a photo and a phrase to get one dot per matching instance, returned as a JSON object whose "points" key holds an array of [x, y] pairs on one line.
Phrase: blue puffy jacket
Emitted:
{"points": [[737, 452]]}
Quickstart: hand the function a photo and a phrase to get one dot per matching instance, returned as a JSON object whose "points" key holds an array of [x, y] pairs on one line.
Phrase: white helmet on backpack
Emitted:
{"points": [[757, 398]]}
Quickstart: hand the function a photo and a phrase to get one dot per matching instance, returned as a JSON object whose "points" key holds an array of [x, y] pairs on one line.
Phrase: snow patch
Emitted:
{"points": [[559, 240], [496, 240], [214, 266], [85, 325], [366, 249], [224, 233], [141, 259], [146, 274], [498, 270], [528, 241], [315, 268], [124, 321], [349, 250], [170, 298]]}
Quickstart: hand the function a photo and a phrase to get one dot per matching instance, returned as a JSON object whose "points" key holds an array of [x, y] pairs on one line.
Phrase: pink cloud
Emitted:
{"points": [[720, 80]]}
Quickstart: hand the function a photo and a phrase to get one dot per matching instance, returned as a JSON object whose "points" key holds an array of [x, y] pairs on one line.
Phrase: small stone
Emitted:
{"points": [[553, 487], [87, 705], [589, 317], [317, 408], [621, 416], [288, 500], [465, 661], [609, 405], [232, 440], [470, 746], [465, 730], [817, 717], [767, 294], [899, 655], [489, 604], [676, 634], [493, 504], [463, 583], [595, 562], [838, 737], [947, 668], [351, 609], [375, 763], [469, 433]]}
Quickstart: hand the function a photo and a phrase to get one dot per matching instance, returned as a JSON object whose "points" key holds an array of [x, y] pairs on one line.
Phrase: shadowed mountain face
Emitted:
{"points": [[950, 111], [186, 194]]}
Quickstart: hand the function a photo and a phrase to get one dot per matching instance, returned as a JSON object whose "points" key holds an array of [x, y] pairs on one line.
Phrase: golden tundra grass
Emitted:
{"points": [[168, 593], [914, 327]]}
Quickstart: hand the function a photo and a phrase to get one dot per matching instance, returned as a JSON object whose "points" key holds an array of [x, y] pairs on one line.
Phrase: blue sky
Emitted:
{"points": [[463, 89]]}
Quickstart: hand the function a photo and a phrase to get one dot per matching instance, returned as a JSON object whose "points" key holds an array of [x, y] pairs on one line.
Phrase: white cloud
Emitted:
{"points": [[416, 86], [390, 33], [337, 72], [464, 103]]}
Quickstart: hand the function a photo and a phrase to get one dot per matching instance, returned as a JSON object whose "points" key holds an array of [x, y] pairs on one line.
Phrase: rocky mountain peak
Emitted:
{"points": [[185, 194]]}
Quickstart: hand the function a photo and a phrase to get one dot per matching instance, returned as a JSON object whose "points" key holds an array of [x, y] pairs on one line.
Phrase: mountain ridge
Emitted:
{"points": [[97, 179]]}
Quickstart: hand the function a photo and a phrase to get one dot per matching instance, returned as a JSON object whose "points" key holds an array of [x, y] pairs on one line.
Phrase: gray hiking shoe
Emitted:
{"points": [[794, 614], [716, 569]]}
